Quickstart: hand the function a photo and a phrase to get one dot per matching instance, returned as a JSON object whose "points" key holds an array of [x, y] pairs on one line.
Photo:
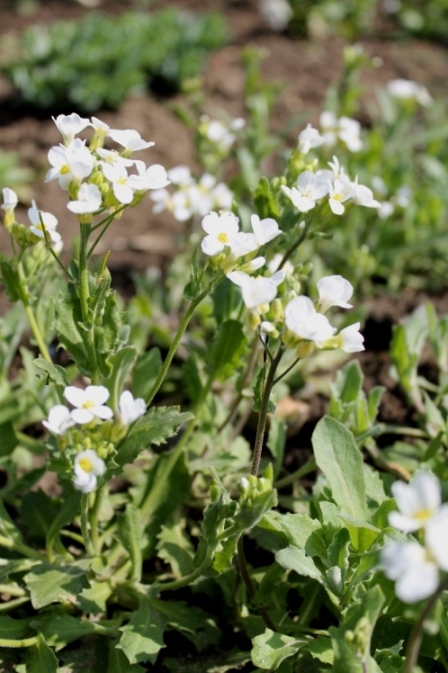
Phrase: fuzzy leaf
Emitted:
{"points": [[142, 637], [55, 373], [59, 628], [55, 584], [153, 428], [145, 372], [339, 458], [130, 535], [293, 558], [120, 363], [67, 325], [227, 350], [40, 658], [270, 649]]}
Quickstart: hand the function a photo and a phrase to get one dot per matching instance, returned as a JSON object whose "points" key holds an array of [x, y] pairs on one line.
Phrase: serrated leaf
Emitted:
{"points": [[227, 350], [142, 637], [293, 558], [14, 629], [193, 622], [107, 334], [339, 458], [55, 584], [93, 600], [155, 427], [175, 548], [40, 658], [55, 373], [119, 663], [68, 318], [321, 648], [270, 649], [145, 373], [58, 628]]}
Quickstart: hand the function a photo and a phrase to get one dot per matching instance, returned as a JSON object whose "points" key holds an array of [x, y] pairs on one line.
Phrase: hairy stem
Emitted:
{"points": [[84, 296], [416, 636]]}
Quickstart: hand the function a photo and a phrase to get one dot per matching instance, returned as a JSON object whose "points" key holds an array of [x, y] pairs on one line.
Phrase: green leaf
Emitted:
{"points": [[119, 663], [142, 637], [120, 363], [145, 372], [193, 622], [362, 534], [37, 511], [339, 458], [227, 350], [270, 649], [293, 558], [58, 628], [175, 548], [68, 318], [320, 648], [192, 288], [130, 535], [11, 280], [14, 629], [68, 511], [351, 641], [9, 438], [7, 527], [55, 584], [277, 441], [155, 427], [40, 658], [93, 600], [55, 373], [265, 201], [108, 323]]}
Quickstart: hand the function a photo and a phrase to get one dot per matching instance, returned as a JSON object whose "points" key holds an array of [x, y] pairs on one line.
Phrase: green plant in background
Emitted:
{"points": [[99, 61], [11, 173]]}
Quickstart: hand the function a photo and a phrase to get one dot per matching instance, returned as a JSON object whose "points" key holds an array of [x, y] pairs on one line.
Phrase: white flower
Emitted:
{"points": [[59, 420], [417, 502], [89, 200], [221, 134], [68, 163], [70, 125], [89, 403], [416, 568], [302, 319], [386, 209], [122, 185], [363, 195], [41, 221], [334, 291], [113, 158], [129, 139], [257, 291], [180, 175], [10, 199], [88, 466], [130, 409], [340, 191], [151, 177], [265, 230], [221, 230], [408, 90], [416, 574], [277, 13], [309, 188], [275, 262], [100, 127], [309, 138], [350, 339], [349, 132]]}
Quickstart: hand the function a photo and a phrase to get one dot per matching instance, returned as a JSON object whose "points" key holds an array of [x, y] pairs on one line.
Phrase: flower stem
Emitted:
{"points": [[85, 524], [19, 547], [188, 579], [94, 514], [263, 415], [416, 637], [24, 642], [31, 318], [84, 296]]}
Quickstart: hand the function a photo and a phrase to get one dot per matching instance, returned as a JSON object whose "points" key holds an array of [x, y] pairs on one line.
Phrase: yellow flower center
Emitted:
{"points": [[338, 196], [64, 169], [423, 515], [88, 404], [86, 464], [223, 238]]}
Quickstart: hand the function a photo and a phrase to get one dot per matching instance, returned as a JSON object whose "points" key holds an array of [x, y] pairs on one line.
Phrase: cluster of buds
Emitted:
{"points": [[89, 408], [192, 197], [416, 567]]}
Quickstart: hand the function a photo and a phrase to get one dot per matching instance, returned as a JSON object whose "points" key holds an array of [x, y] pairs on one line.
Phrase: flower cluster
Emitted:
{"points": [[219, 134], [191, 197], [413, 566], [98, 178], [41, 223], [344, 129], [89, 406], [333, 183]]}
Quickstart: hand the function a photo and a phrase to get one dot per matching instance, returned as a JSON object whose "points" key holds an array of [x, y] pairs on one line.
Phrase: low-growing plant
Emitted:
{"points": [[98, 61]]}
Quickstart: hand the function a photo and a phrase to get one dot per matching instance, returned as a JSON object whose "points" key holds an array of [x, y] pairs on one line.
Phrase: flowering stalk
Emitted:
{"points": [[416, 637], [84, 295], [85, 524], [30, 315]]}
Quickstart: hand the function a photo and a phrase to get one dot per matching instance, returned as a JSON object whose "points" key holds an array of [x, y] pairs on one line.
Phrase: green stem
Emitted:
{"points": [[188, 579], [12, 605], [310, 466], [84, 296], [263, 415], [94, 515], [25, 642], [85, 524], [415, 640], [30, 315], [12, 590], [295, 246], [100, 236], [176, 341], [19, 547]]}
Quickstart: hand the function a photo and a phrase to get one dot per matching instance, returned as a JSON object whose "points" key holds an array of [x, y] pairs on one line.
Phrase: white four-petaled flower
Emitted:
{"points": [[89, 403], [309, 189], [130, 409], [59, 420], [302, 319], [334, 291], [259, 290], [417, 502], [88, 466]]}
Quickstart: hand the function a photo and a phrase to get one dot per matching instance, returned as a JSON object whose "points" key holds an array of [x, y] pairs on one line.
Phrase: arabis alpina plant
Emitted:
{"points": [[405, 89], [309, 138], [417, 502], [310, 188]]}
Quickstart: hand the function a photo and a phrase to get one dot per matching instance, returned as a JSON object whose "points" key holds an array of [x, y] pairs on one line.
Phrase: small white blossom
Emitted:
{"points": [[10, 199], [69, 163], [41, 221], [277, 13], [416, 574], [302, 319], [89, 403], [89, 200], [265, 230], [70, 125], [406, 89], [130, 409], [59, 420], [309, 189], [345, 129], [334, 291], [99, 126], [340, 191], [417, 502], [363, 195], [113, 158], [257, 291], [129, 139], [149, 177], [221, 230], [181, 175], [88, 466], [275, 262], [350, 339], [310, 138]]}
